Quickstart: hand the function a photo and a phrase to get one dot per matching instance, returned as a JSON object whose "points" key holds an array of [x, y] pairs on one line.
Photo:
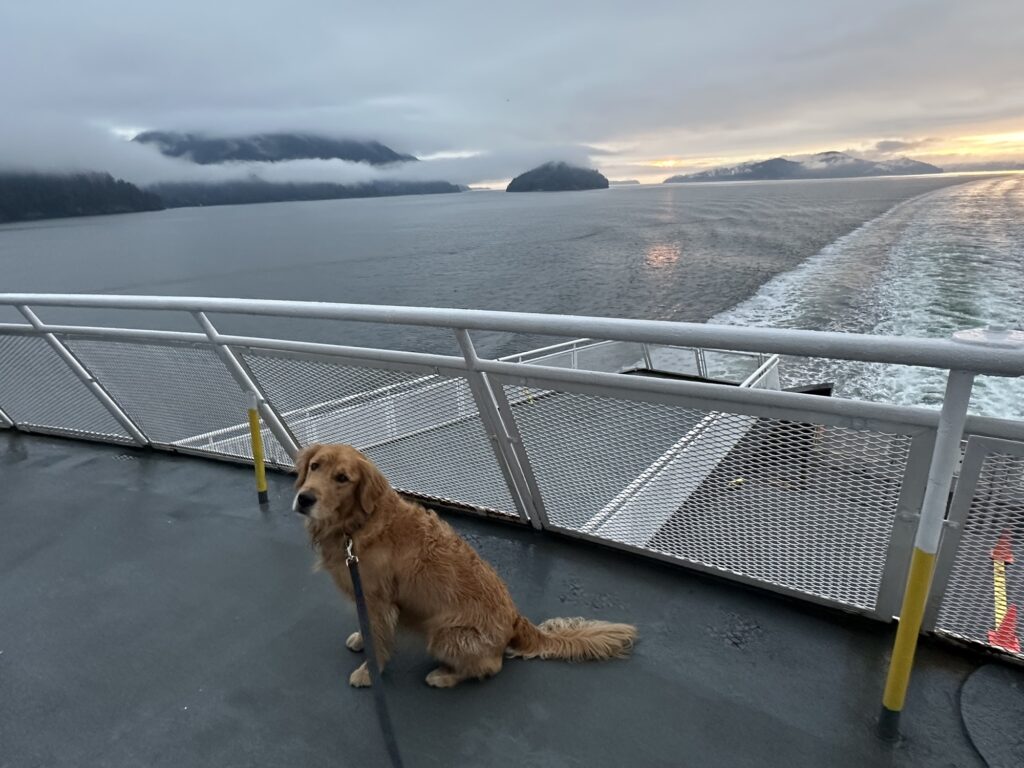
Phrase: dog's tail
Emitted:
{"points": [[573, 639]]}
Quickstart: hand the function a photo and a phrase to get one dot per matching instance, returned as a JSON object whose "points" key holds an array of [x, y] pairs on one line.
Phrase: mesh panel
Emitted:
{"points": [[178, 394], [236, 441], [37, 389], [423, 431], [969, 605], [800, 506]]}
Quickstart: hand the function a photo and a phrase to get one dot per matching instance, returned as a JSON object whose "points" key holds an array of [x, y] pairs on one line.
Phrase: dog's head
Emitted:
{"points": [[337, 486]]}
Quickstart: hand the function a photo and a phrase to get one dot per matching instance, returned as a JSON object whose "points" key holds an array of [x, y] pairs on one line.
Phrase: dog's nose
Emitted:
{"points": [[304, 501]]}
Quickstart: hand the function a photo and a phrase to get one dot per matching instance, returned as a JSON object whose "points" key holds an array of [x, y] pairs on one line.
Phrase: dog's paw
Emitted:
{"points": [[442, 678], [354, 642], [360, 678]]}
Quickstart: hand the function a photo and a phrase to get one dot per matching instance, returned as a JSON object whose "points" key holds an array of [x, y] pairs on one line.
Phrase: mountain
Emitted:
{"points": [[776, 168], [27, 196], [824, 165], [557, 177], [269, 147], [183, 194], [623, 182]]}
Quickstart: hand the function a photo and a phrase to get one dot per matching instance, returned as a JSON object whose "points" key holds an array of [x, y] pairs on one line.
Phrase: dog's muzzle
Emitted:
{"points": [[303, 503]]}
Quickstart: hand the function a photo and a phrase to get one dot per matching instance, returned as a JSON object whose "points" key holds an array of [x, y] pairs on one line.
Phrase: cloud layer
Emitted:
{"points": [[517, 83]]}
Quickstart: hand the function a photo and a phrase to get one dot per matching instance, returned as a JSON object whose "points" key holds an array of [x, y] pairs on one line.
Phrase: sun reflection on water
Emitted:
{"points": [[661, 255]]}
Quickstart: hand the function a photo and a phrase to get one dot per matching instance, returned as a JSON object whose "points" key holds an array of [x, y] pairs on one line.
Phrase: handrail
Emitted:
{"points": [[931, 353]]}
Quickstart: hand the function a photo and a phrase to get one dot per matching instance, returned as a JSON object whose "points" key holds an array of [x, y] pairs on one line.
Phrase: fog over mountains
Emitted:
{"points": [[823, 165]]}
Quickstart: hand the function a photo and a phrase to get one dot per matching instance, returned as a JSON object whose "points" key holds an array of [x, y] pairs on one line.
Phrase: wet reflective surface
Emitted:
{"points": [[154, 615]]}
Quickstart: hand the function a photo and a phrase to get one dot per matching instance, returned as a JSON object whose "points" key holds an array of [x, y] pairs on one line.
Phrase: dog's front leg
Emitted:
{"points": [[383, 622]]}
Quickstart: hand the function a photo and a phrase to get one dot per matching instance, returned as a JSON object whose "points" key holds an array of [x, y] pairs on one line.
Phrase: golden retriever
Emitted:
{"points": [[417, 570]]}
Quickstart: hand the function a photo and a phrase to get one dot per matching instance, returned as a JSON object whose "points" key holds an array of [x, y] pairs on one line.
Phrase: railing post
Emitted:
{"points": [[86, 377], [248, 386], [926, 544], [504, 451], [515, 442]]}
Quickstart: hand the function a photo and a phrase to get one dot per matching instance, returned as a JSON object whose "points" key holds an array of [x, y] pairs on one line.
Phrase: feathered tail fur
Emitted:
{"points": [[573, 639]]}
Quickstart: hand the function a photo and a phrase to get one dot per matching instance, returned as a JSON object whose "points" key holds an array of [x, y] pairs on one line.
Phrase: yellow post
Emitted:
{"points": [[257, 450], [919, 582]]}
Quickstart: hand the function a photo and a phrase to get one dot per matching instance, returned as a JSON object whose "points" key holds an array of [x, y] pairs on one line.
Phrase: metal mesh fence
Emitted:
{"points": [[37, 389], [983, 584], [422, 430], [800, 506], [177, 394]]}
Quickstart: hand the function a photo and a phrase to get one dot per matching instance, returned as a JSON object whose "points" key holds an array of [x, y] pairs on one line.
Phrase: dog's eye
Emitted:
{"points": [[314, 467], [341, 477]]}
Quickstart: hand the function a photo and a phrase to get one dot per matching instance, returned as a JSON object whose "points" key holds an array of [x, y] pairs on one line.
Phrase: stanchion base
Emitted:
{"points": [[889, 724]]}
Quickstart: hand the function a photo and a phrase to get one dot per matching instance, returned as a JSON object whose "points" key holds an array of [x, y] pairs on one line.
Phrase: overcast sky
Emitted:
{"points": [[637, 89]]}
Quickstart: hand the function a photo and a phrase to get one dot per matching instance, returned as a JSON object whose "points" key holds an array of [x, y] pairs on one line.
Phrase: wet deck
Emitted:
{"points": [[153, 615]]}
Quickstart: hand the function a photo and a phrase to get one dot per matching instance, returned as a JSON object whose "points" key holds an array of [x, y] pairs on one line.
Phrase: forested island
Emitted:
{"points": [[557, 177]]}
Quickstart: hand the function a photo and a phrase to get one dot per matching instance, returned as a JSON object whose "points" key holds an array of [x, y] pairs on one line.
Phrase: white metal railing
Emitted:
{"points": [[1000, 359], [813, 496]]}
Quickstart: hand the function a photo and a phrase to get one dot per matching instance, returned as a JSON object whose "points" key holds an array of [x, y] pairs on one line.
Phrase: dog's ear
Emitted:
{"points": [[372, 486], [302, 462]]}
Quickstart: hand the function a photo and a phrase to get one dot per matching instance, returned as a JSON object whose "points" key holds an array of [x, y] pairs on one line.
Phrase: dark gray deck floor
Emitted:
{"points": [[152, 615]]}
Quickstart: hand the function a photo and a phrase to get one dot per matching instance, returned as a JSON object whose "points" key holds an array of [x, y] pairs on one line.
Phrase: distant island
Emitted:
{"points": [[824, 165], [269, 148], [557, 177], [183, 194], [622, 182], [26, 196]]}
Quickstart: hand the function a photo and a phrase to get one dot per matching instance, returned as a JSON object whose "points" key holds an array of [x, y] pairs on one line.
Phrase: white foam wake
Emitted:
{"points": [[946, 260]]}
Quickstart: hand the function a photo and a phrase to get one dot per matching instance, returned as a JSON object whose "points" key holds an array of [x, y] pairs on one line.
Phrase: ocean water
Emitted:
{"points": [[915, 255]]}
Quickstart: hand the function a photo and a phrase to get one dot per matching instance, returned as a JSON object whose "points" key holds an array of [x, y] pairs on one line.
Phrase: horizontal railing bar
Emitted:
{"points": [[934, 353], [551, 349], [114, 334], [358, 354], [987, 426], [791, 406]]}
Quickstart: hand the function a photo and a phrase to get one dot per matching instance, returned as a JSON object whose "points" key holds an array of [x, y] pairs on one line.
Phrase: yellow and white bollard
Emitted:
{"points": [[258, 459], [926, 545]]}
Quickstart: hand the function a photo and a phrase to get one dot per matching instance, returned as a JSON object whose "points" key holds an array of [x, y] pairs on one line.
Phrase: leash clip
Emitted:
{"points": [[351, 555]]}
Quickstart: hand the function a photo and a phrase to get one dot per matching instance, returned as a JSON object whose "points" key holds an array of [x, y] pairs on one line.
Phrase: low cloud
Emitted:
{"points": [[889, 146], [50, 145]]}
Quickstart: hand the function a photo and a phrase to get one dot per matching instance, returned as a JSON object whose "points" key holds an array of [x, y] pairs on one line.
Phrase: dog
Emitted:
{"points": [[417, 571]]}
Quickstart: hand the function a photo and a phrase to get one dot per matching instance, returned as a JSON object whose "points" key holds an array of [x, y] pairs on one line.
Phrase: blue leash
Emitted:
{"points": [[376, 681]]}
